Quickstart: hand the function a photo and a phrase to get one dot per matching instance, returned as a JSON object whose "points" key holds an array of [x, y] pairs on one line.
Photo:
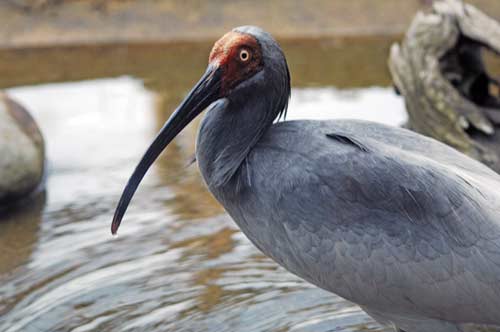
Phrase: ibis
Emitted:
{"points": [[400, 224]]}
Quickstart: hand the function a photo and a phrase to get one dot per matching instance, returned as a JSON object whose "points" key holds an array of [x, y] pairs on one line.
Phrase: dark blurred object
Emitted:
{"points": [[29, 5], [440, 71], [22, 150], [39, 5]]}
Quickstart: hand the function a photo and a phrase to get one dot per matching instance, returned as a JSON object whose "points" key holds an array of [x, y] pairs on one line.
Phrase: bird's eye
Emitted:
{"points": [[244, 55]]}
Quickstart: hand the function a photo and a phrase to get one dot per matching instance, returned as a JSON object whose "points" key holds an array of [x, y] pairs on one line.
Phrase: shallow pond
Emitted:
{"points": [[179, 263]]}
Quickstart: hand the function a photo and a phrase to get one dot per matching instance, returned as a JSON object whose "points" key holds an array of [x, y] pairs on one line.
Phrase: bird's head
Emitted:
{"points": [[244, 60], [247, 57]]}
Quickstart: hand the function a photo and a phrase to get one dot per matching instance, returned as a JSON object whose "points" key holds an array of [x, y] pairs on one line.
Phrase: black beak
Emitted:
{"points": [[206, 91]]}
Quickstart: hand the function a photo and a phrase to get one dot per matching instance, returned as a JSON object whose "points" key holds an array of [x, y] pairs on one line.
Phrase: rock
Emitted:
{"points": [[439, 70], [22, 152]]}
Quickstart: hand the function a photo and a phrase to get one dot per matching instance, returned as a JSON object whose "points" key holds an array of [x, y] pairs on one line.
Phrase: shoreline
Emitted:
{"points": [[30, 24]]}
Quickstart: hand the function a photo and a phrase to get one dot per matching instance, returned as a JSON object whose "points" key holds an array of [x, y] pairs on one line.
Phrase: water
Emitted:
{"points": [[179, 263]]}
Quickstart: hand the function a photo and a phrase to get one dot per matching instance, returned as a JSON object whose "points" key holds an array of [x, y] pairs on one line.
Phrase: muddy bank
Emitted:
{"points": [[28, 23]]}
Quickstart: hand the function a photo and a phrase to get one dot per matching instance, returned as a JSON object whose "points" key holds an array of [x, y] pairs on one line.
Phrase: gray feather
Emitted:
{"points": [[396, 228]]}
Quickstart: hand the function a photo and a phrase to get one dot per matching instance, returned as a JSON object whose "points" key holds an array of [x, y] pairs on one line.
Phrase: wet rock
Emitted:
{"points": [[22, 154]]}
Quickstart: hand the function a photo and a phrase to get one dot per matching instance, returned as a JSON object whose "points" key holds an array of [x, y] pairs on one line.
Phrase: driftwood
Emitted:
{"points": [[439, 70]]}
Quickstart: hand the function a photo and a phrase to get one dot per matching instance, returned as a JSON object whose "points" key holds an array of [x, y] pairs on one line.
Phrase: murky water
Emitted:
{"points": [[179, 263]]}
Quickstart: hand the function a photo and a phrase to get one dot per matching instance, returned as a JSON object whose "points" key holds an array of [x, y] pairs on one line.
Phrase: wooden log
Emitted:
{"points": [[438, 68]]}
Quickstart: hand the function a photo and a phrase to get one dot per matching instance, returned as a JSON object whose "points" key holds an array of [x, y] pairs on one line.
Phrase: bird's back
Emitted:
{"points": [[400, 224]]}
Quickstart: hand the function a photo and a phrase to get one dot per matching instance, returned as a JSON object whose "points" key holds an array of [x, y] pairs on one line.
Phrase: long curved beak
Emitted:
{"points": [[206, 91]]}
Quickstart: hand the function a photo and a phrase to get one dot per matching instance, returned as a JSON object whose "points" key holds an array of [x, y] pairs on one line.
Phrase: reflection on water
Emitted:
{"points": [[179, 263], [343, 62], [18, 234]]}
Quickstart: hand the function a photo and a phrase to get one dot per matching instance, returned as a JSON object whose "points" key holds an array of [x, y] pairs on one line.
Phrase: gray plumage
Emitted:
{"points": [[398, 223]]}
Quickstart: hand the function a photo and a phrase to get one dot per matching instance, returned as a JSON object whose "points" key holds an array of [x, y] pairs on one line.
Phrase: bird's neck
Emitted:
{"points": [[228, 132]]}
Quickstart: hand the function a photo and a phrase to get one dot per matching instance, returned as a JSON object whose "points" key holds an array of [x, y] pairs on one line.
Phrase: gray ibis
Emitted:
{"points": [[398, 223]]}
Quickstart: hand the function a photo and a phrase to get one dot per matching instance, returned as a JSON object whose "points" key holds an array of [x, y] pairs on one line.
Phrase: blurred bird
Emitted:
{"points": [[398, 223]]}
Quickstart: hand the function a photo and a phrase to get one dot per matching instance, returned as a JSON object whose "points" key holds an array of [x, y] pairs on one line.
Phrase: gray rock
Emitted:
{"points": [[22, 152]]}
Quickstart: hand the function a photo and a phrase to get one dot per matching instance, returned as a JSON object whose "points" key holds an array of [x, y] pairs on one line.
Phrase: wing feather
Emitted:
{"points": [[391, 228]]}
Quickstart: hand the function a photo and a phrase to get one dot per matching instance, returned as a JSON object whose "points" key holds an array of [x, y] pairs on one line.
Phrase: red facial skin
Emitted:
{"points": [[226, 54]]}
